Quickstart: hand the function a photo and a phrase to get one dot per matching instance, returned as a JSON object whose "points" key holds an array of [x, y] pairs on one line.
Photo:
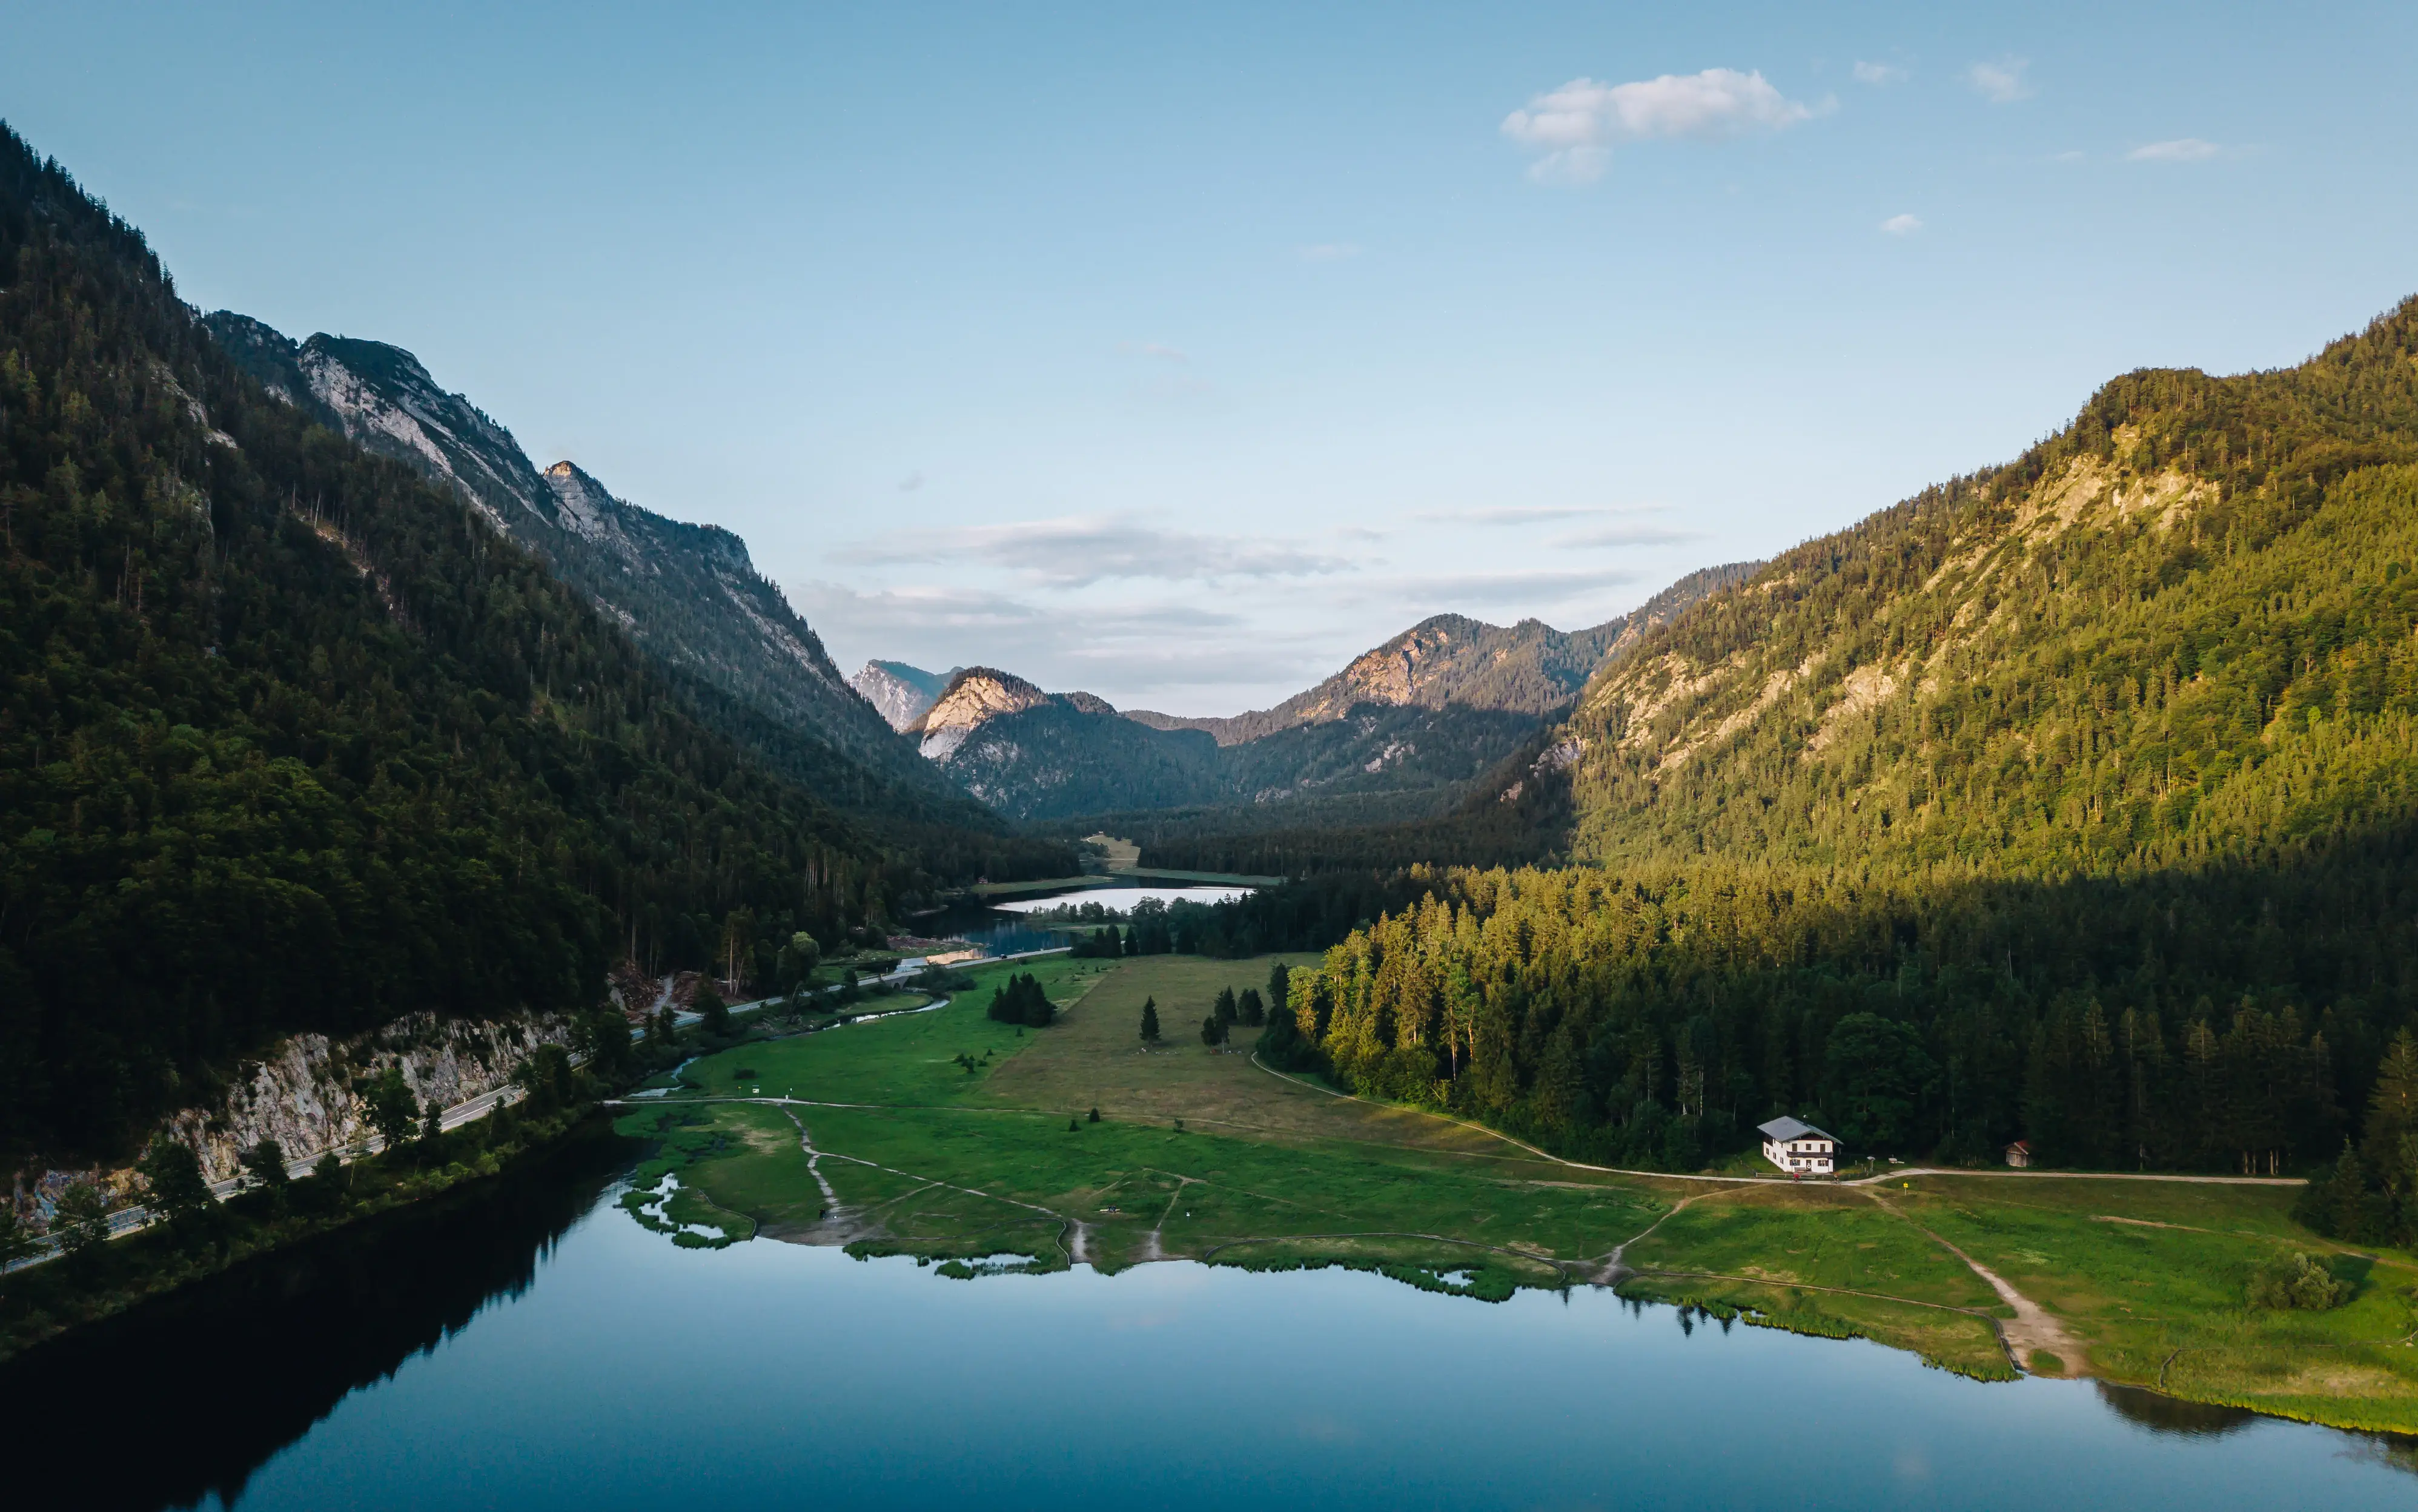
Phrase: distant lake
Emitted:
{"points": [[1122, 899], [999, 928], [536, 1349]]}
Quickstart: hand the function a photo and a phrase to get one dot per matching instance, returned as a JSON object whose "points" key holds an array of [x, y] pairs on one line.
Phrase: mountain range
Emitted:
{"points": [[1410, 724]]}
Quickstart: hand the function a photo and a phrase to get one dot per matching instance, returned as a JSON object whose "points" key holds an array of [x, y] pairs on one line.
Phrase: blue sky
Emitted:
{"points": [[1180, 355]]}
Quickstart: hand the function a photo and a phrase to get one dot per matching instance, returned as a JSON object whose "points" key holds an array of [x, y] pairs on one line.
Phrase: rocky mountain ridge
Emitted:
{"points": [[690, 595]]}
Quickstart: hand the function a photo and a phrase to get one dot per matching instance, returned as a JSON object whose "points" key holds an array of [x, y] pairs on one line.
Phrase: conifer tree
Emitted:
{"points": [[1150, 1020]]}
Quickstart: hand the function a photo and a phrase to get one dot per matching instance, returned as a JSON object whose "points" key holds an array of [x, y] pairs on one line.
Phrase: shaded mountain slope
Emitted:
{"points": [[688, 593], [290, 741]]}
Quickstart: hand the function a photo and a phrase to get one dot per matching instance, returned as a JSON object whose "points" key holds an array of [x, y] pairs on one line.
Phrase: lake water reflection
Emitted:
{"points": [[609, 1369], [1002, 927]]}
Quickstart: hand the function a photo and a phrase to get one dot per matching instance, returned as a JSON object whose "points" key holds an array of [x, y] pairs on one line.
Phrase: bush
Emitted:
{"points": [[2296, 1283]]}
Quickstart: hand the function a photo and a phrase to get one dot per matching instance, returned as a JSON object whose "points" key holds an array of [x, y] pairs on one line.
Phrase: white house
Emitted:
{"points": [[1799, 1149]]}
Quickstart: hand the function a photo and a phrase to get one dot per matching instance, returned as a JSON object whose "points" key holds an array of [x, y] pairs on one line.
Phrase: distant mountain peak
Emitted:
{"points": [[900, 692], [1451, 660], [972, 697]]}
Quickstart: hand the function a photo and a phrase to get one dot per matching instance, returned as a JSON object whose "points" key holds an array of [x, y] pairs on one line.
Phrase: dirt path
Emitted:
{"points": [[1899, 1172], [1611, 1271], [1066, 1226], [1154, 1249], [2032, 1329]]}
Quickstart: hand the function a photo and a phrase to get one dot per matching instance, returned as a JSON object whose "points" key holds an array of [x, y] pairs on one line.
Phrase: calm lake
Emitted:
{"points": [[1001, 928], [531, 1348]]}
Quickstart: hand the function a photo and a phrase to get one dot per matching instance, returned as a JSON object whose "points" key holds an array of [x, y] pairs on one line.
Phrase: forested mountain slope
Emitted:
{"points": [[2180, 629], [290, 739], [2075, 802], [688, 593]]}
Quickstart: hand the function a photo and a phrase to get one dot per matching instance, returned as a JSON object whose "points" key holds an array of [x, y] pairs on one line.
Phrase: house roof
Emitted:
{"points": [[1789, 1128]]}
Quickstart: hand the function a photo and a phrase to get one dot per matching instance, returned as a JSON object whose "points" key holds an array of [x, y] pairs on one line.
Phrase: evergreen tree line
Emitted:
{"points": [[2371, 1195], [2228, 1018]]}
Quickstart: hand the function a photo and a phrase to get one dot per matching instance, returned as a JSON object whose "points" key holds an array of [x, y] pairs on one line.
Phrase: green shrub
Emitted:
{"points": [[2296, 1283]]}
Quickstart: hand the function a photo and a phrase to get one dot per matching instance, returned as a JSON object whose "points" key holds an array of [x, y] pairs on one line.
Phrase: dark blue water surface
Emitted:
{"points": [[602, 1368]]}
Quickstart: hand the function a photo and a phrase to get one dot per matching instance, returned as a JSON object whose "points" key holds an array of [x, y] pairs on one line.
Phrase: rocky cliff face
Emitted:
{"points": [[899, 691], [300, 1095], [973, 698], [689, 593]]}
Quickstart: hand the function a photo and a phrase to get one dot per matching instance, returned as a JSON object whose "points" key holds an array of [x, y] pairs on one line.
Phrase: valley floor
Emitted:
{"points": [[972, 1143]]}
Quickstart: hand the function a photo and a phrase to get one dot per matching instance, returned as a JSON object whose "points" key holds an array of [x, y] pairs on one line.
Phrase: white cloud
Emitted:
{"points": [[2001, 83], [1637, 534], [1127, 652], [1878, 73], [1524, 591], [1578, 125], [1527, 514], [1901, 225], [1328, 252], [1079, 550], [2183, 149]]}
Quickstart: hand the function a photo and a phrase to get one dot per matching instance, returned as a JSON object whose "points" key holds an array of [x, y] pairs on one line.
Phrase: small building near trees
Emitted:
{"points": [[1799, 1148], [2019, 1155]]}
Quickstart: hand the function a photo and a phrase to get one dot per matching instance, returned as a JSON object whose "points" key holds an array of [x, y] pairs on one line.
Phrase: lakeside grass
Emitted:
{"points": [[957, 1146], [2152, 1279]]}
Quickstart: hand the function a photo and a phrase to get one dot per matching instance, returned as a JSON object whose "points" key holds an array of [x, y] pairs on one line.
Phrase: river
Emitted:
{"points": [[530, 1347]]}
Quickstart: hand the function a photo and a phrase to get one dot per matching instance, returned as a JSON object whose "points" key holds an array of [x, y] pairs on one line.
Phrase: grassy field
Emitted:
{"points": [[952, 1138], [2152, 1278]]}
